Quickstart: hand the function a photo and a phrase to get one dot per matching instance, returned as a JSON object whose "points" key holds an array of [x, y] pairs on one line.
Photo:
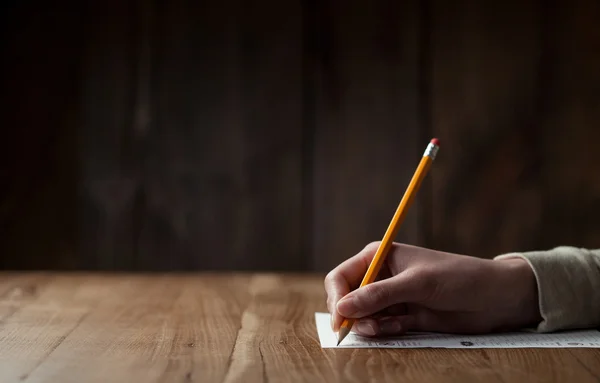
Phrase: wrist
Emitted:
{"points": [[519, 292]]}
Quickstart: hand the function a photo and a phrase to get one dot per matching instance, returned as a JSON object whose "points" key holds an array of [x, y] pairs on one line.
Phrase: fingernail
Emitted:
{"points": [[347, 307], [365, 328], [390, 327]]}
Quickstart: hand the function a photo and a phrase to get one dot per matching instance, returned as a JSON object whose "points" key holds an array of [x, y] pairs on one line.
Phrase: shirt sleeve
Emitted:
{"points": [[568, 280]]}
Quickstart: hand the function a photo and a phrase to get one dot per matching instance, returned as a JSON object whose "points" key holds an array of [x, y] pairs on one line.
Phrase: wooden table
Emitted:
{"points": [[222, 328]]}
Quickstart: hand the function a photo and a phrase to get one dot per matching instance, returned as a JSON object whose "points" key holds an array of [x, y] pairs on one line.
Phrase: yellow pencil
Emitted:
{"points": [[390, 234]]}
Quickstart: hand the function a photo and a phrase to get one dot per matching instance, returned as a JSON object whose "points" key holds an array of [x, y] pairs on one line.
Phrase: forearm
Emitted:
{"points": [[568, 281]]}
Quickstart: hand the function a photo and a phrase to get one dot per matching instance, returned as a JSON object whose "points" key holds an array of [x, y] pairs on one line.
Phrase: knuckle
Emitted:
{"points": [[402, 247], [424, 282], [330, 283], [372, 246], [377, 294], [329, 278]]}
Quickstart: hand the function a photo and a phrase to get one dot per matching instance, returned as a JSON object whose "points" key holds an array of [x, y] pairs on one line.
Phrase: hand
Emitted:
{"points": [[420, 289]]}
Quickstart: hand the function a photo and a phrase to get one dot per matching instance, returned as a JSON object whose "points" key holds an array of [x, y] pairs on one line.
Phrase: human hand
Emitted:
{"points": [[420, 289]]}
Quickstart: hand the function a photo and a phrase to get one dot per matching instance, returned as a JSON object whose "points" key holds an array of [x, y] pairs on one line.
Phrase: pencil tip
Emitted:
{"points": [[342, 334]]}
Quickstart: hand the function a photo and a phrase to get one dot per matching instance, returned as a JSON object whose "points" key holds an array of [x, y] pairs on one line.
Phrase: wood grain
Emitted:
{"points": [[223, 157], [484, 89], [110, 146], [367, 143], [221, 328], [570, 177], [512, 102], [181, 135], [41, 46]]}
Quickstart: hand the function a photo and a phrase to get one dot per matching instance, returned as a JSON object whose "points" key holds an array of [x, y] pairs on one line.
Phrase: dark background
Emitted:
{"points": [[281, 135]]}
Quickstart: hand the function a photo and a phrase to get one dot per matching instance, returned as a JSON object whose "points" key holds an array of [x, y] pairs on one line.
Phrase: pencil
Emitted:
{"points": [[397, 219]]}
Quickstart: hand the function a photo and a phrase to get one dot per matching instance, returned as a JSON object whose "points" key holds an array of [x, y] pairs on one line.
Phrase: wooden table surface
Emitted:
{"points": [[222, 328]]}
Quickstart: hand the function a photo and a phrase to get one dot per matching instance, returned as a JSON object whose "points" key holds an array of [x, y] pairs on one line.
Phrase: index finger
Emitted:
{"points": [[346, 277]]}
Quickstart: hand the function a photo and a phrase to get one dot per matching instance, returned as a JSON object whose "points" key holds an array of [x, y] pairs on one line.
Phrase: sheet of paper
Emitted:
{"points": [[570, 339]]}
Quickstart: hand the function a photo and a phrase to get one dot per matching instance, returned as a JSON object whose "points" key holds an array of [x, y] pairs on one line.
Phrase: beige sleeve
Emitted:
{"points": [[568, 280]]}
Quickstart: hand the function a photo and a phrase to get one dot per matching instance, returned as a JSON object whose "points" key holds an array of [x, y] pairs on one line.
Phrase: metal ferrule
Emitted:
{"points": [[431, 151]]}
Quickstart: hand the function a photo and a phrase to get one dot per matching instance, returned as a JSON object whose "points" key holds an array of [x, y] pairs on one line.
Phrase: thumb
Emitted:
{"points": [[377, 296]]}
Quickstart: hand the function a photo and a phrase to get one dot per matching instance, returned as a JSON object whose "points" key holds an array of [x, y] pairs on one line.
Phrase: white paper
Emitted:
{"points": [[568, 339]]}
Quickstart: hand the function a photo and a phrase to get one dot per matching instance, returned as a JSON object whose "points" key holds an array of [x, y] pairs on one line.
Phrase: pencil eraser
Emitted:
{"points": [[435, 141]]}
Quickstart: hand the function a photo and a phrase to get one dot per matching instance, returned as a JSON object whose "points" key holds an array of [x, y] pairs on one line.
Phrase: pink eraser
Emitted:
{"points": [[435, 141]]}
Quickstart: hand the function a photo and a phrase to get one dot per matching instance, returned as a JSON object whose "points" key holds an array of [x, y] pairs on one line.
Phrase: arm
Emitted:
{"points": [[568, 281]]}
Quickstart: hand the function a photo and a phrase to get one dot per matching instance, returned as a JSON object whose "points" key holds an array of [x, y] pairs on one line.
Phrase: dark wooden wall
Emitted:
{"points": [[181, 135]]}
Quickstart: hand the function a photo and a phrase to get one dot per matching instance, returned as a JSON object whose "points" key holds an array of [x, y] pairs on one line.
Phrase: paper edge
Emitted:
{"points": [[324, 345]]}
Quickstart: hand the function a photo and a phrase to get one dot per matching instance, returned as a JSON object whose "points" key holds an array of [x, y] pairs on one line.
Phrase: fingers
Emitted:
{"points": [[420, 319], [385, 326], [423, 319], [461, 322], [345, 277], [394, 310], [377, 296]]}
